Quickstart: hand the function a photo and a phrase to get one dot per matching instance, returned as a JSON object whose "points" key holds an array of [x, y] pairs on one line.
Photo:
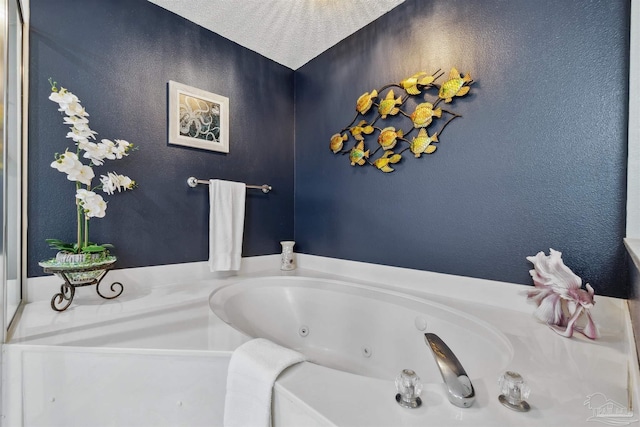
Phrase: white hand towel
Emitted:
{"points": [[253, 370], [226, 224]]}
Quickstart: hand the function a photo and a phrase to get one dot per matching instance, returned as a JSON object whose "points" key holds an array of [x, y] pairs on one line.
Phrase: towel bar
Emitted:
{"points": [[194, 182]]}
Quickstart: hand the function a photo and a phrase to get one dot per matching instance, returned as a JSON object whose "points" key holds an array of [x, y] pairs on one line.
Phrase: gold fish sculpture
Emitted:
{"points": [[360, 129], [388, 105], [389, 156], [423, 115], [364, 103], [422, 143], [417, 99], [388, 137], [411, 84], [337, 142], [455, 86], [357, 155]]}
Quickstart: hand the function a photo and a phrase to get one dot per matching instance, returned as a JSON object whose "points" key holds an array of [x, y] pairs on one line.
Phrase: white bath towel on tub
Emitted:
{"points": [[226, 224], [253, 370]]}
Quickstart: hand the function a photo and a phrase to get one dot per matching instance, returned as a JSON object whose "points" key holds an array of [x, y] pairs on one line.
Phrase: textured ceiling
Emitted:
{"points": [[290, 32]]}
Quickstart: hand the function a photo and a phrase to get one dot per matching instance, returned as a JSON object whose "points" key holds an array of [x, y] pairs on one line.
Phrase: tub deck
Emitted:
{"points": [[172, 317]]}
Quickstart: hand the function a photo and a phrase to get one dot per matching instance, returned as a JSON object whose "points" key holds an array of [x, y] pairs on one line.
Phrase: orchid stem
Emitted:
{"points": [[79, 221], [86, 231]]}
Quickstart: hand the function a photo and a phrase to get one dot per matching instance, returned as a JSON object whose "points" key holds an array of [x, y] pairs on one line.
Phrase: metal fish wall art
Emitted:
{"points": [[561, 302], [388, 143]]}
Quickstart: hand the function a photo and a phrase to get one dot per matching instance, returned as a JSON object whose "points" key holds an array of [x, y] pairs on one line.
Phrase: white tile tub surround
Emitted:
{"points": [[115, 355], [90, 386]]}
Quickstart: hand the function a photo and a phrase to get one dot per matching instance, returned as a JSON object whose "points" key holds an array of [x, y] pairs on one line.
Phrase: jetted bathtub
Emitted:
{"points": [[359, 329], [360, 336]]}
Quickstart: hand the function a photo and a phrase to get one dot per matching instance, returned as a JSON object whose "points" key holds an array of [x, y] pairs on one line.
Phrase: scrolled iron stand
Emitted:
{"points": [[63, 299]]}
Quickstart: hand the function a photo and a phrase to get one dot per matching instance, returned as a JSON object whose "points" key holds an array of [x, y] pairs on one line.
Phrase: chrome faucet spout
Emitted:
{"points": [[459, 389]]}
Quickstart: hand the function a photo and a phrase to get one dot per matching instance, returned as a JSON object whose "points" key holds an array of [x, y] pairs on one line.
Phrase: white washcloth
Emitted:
{"points": [[253, 370], [226, 224]]}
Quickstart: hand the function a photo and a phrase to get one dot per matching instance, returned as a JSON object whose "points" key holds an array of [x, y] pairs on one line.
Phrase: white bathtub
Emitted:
{"points": [[358, 336], [359, 329], [158, 353]]}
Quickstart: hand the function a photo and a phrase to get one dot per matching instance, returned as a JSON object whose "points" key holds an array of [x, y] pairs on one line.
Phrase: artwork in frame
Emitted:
{"points": [[198, 118]]}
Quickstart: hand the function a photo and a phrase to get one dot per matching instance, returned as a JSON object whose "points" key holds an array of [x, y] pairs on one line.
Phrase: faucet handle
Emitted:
{"points": [[409, 388], [513, 391]]}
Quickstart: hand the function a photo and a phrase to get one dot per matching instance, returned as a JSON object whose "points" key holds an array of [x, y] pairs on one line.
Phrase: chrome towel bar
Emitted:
{"points": [[194, 182]]}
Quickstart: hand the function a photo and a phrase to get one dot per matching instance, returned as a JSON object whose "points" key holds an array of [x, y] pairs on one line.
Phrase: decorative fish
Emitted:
{"points": [[357, 155], [411, 84], [359, 129], [422, 143], [337, 142], [389, 156], [559, 296], [364, 103], [423, 115], [388, 137], [418, 87], [388, 105], [455, 86]]}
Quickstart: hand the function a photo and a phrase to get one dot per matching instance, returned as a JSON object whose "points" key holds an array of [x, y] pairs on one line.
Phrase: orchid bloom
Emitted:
{"points": [[122, 148], [93, 204], [63, 98], [68, 103], [90, 204], [66, 162], [81, 135], [112, 149], [84, 174], [113, 181], [80, 123], [95, 152]]}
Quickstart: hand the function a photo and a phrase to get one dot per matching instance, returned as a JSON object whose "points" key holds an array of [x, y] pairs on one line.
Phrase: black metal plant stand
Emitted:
{"points": [[73, 278]]}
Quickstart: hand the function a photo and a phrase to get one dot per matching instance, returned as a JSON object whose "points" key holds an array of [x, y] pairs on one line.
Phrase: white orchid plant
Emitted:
{"points": [[89, 204]]}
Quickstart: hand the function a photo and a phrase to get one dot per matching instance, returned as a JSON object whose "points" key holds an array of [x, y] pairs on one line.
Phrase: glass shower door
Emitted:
{"points": [[12, 162]]}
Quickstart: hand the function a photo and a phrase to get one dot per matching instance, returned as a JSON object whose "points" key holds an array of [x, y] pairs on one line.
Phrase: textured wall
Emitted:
{"points": [[117, 56], [537, 161]]}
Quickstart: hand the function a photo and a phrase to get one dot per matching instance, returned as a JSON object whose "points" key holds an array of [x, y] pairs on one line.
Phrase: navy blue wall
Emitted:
{"points": [[537, 161], [117, 57]]}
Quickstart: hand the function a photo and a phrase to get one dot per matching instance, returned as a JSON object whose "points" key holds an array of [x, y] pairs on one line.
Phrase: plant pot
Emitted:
{"points": [[79, 268], [63, 257]]}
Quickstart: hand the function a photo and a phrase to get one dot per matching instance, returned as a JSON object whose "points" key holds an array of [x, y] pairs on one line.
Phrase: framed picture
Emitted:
{"points": [[198, 118]]}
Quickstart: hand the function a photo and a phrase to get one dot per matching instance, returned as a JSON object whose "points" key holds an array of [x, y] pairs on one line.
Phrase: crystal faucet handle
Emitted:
{"points": [[409, 388], [513, 391]]}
